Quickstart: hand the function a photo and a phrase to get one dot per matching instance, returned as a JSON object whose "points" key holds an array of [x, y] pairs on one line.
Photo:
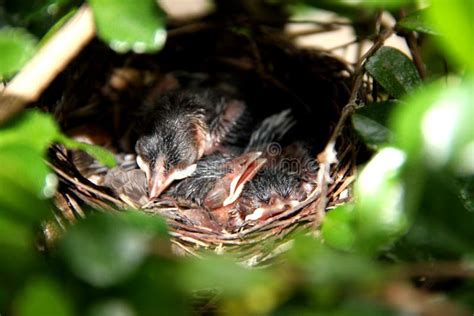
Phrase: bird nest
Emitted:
{"points": [[95, 98]]}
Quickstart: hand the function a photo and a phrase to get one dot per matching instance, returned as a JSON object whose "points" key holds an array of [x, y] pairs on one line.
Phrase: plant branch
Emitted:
{"points": [[48, 62], [328, 156]]}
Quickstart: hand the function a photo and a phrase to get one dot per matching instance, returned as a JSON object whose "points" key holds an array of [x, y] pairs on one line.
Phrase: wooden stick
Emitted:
{"points": [[48, 62]]}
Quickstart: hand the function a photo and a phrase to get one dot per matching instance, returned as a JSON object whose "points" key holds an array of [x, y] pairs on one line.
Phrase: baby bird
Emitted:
{"points": [[182, 127], [219, 178], [281, 184]]}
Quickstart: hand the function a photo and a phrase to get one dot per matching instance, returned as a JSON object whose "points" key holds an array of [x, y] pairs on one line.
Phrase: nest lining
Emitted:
{"points": [[98, 93]]}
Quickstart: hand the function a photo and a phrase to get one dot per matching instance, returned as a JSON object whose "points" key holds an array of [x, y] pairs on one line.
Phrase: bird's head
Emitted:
{"points": [[169, 154]]}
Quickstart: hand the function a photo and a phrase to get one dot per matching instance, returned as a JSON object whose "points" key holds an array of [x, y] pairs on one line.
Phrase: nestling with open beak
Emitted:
{"points": [[219, 178], [182, 127]]}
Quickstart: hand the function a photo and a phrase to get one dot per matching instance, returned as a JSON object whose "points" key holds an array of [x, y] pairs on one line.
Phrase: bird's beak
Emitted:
{"points": [[159, 179], [228, 189]]}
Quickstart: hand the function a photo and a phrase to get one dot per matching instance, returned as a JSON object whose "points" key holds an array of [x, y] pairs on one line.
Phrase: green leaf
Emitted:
{"points": [[435, 128], [31, 128], [466, 192], [36, 177], [57, 26], [39, 130], [112, 308], [104, 249], [453, 20], [42, 296], [130, 25], [371, 121], [439, 228], [338, 228], [24, 196], [152, 224], [17, 47], [416, 21], [379, 212], [394, 71], [324, 267], [102, 155], [16, 245], [222, 273]]}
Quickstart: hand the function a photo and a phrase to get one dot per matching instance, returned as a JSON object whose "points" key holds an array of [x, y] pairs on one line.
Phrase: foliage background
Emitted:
{"points": [[406, 240]]}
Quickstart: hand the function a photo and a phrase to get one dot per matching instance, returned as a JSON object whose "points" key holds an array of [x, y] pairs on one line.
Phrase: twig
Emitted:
{"points": [[410, 39], [415, 53], [48, 62], [328, 156], [309, 32]]}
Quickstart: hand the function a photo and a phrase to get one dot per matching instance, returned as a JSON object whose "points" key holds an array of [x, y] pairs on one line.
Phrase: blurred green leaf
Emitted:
{"points": [[30, 128], [16, 202], [17, 47], [112, 308], [57, 26], [379, 195], [394, 71], [39, 130], [371, 121], [24, 196], [156, 289], [435, 127], [338, 227], [16, 245], [38, 16], [439, 229], [152, 224], [466, 191], [453, 20], [42, 296], [125, 25], [325, 266], [102, 155], [36, 177], [416, 21], [223, 274], [104, 249]]}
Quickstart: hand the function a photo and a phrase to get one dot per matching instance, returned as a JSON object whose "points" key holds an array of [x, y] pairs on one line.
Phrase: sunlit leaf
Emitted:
{"points": [[137, 26], [338, 228], [435, 127], [31, 128], [42, 296], [371, 121], [17, 47], [379, 194], [416, 21], [104, 249], [453, 19], [25, 181], [36, 177], [394, 71]]}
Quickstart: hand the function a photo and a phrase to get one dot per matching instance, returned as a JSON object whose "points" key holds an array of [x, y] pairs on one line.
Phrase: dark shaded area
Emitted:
{"points": [[250, 62]]}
